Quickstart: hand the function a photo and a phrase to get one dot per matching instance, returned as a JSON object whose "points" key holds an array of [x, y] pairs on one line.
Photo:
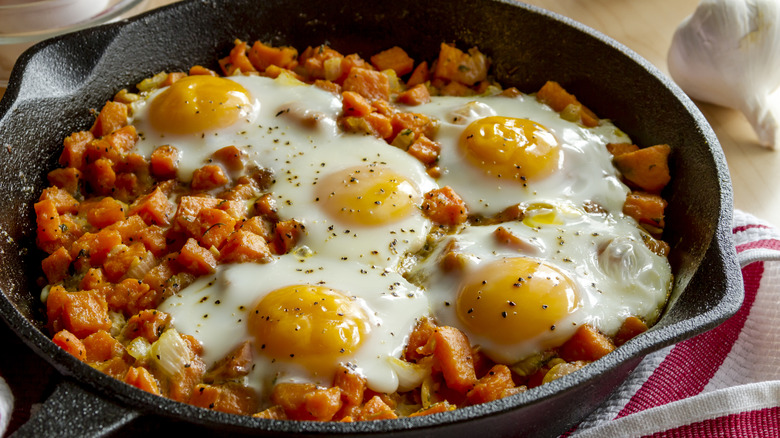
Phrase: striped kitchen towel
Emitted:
{"points": [[722, 383], [6, 405]]}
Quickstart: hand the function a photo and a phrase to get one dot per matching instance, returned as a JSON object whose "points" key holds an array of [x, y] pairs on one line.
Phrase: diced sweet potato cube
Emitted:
{"points": [[189, 207], [48, 221], [63, 200], [266, 206], [208, 177], [102, 244], [377, 409], [73, 149], [491, 386], [240, 192], [154, 239], [115, 367], [141, 378], [313, 60], [587, 344], [630, 328], [231, 157], [101, 176], [112, 117], [560, 100], [380, 125], [123, 139], [394, 58], [287, 235], [56, 265], [122, 259], [232, 399], [425, 150], [199, 70], [465, 68], [81, 313], [452, 350], [237, 60], [101, 346], [215, 227], [153, 208], [262, 56], [258, 225], [435, 408], [70, 343], [128, 228], [150, 324], [237, 363], [106, 212], [245, 246], [346, 65], [172, 77], [162, 275], [164, 162], [370, 84], [418, 124], [94, 279], [416, 95], [292, 397], [646, 208], [182, 387], [419, 339], [647, 168], [323, 404], [355, 105], [68, 179], [352, 385], [196, 259], [444, 206], [419, 75], [131, 296], [328, 86]]}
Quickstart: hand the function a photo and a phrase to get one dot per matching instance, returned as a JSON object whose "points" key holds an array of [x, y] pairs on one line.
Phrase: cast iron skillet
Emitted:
{"points": [[55, 84]]}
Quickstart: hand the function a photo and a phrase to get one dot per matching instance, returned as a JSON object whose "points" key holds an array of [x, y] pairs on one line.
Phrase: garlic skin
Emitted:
{"points": [[728, 53]]}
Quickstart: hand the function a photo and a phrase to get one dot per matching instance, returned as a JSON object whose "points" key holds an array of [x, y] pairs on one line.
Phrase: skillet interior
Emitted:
{"points": [[56, 83]]}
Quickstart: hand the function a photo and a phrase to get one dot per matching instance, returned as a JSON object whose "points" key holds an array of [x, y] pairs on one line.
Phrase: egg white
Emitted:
{"points": [[215, 310], [586, 174], [615, 273]]}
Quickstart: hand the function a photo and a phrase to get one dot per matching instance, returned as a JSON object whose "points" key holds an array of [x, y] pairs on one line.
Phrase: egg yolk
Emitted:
{"points": [[314, 326], [511, 148], [515, 299], [196, 104], [367, 195]]}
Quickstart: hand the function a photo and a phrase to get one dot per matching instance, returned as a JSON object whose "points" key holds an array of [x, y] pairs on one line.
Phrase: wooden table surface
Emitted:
{"points": [[644, 26]]}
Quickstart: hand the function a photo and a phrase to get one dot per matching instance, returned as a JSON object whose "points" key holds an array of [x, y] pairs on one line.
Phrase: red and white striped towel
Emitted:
{"points": [[6, 405], [722, 383]]}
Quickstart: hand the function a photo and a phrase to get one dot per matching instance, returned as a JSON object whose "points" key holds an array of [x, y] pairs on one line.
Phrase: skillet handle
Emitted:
{"points": [[74, 412]]}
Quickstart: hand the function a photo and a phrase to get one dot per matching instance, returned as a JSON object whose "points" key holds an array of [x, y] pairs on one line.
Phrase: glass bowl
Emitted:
{"points": [[24, 23]]}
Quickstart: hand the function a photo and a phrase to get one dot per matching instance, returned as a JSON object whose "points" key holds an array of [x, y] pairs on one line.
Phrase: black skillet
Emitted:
{"points": [[56, 83]]}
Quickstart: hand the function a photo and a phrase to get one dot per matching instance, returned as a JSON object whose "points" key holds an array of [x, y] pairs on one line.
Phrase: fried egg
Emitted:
{"points": [[522, 287], [303, 317], [497, 151]]}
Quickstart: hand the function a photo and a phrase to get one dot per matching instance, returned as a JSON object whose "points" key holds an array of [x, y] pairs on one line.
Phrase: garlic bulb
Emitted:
{"points": [[728, 53]]}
